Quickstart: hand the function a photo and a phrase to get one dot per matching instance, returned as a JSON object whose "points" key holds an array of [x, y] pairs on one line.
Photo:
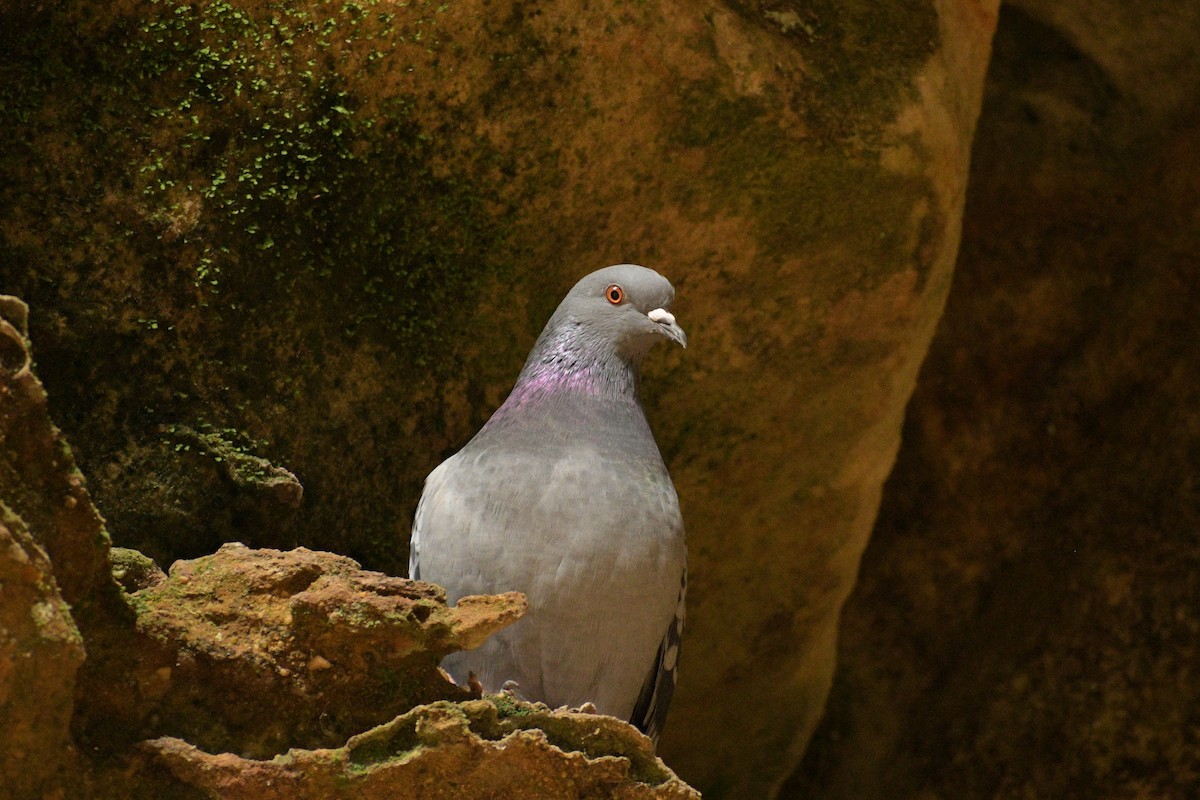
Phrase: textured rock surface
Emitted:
{"points": [[39, 481], [255, 651], [278, 225], [264, 653], [40, 652], [815, 327], [1026, 622], [310, 659], [249, 232], [42, 499], [479, 749]]}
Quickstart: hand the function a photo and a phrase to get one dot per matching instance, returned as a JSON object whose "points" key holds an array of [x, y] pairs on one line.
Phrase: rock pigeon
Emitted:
{"points": [[563, 495]]}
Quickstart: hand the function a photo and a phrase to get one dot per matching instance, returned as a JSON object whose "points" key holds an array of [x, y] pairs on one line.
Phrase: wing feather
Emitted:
{"points": [[650, 711]]}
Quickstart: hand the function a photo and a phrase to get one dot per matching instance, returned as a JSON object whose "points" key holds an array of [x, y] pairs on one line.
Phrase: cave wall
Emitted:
{"points": [[1025, 621], [121, 682], [282, 258]]}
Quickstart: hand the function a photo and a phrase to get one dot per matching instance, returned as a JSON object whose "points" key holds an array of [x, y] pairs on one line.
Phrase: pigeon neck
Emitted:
{"points": [[566, 360]]}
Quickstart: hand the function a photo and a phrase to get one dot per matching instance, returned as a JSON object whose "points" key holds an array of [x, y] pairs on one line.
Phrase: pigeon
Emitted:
{"points": [[563, 495]]}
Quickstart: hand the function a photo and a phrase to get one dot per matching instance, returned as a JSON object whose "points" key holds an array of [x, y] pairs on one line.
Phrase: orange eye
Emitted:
{"points": [[615, 294]]}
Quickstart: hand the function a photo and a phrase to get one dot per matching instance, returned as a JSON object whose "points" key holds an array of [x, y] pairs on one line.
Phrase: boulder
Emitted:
{"points": [[325, 236]]}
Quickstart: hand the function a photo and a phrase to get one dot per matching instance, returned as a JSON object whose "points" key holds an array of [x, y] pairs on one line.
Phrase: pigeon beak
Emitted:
{"points": [[667, 326]]}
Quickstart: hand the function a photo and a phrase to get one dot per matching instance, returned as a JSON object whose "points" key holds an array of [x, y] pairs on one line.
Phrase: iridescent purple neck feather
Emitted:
{"points": [[570, 363]]}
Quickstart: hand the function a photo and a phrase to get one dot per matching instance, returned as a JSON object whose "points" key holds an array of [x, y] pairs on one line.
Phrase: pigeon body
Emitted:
{"points": [[563, 495]]}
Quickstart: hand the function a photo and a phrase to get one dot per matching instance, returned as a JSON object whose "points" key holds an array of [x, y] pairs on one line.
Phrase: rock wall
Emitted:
{"points": [[285, 257], [1025, 622], [322, 676], [45, 514]]}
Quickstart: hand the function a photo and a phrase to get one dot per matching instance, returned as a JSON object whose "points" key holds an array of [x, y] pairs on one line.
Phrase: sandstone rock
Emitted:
{"points": [[254, 651], [227, 488], [43, 507], [488, 748], [1025, 623], [336, 233], [40, 652], [134, 570], [39, 481], [275, 654]]}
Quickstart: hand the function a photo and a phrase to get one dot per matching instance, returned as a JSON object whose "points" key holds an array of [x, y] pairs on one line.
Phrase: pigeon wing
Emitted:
{"points": [[650, 711]]}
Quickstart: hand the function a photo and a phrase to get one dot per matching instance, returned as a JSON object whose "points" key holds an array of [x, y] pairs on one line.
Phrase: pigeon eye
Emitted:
{"points": [[615, 294]]}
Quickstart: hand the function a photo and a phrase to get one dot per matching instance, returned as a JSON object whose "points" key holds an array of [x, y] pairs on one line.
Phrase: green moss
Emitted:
{"points": [[304, 188], [821, 187], [137, 604], [231, 450], [397, 739], [132, 569], [218, 209], [256, 169], [507, 707]]}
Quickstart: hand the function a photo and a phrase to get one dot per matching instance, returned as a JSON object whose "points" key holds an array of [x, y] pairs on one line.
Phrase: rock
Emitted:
{"points": [[40, 653], [1025, 622], [265, 653], [784, 438], [227, 488], [45, 514], [496, 747], [134, 571], [253, 624], [1146, 54], [339, 224], [39, 481]]}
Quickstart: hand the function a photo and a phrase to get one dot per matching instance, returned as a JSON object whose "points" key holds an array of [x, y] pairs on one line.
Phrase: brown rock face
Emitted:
{"points": [[1026, 619], [326, 237], [43, 505], [249, 651], [39, 481], [820, 358], [255, 651], [447, 751], [40, 652]]}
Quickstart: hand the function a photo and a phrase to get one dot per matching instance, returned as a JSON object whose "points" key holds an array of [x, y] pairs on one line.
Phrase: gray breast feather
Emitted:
{"points": [[596, 544]]}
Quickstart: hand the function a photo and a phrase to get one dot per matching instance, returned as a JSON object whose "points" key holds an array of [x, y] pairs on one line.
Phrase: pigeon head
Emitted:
{"points": [[600, 332], [623, 307]]}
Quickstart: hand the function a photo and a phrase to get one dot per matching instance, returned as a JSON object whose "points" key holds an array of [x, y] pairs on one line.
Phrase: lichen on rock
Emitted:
{"points": [[309, 668], [313, 648], [322, 676], [448, 751]]}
